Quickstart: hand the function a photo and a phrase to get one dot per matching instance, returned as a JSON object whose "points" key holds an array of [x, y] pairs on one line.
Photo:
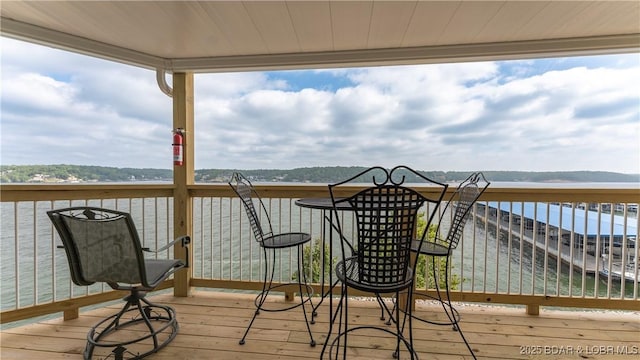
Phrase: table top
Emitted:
{"points": [[321, 204], [324, 204]]}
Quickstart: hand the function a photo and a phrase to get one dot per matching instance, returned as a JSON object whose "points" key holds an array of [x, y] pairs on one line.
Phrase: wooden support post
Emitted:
{"points": [[183, 175], [71, 314], [533, 309]]}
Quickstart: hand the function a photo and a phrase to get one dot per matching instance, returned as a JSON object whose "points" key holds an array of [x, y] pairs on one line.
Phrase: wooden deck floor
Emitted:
{"points": [[211, 324]]}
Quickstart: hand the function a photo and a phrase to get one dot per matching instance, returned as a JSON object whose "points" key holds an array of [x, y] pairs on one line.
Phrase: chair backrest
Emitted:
{"points": [[386, 215], [462, 201], [247, 194], [102, 245]]}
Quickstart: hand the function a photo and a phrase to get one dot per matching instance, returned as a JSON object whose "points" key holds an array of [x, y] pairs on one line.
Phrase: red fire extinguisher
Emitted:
{"points": [[178, 156]]}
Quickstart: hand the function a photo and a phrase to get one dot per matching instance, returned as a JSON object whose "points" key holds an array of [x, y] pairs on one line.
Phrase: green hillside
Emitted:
{"points": [[88, 174]]}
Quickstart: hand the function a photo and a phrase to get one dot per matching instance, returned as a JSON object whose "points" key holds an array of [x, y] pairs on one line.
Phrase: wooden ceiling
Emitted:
{"points": [[214, 36]]}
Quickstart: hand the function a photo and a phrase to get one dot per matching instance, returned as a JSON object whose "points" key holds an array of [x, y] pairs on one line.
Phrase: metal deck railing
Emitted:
{"points": [[497, 261]]}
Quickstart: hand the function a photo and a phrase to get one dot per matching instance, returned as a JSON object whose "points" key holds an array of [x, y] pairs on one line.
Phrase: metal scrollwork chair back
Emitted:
{"points": [[460, 205], [378, 260], [270, 242]]}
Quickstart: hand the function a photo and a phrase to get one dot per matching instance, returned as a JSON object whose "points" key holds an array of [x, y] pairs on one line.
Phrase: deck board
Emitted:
{"points": [[212, 322]]}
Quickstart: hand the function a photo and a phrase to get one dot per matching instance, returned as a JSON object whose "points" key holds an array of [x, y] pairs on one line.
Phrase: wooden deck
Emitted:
{"points": [[212, 322]]}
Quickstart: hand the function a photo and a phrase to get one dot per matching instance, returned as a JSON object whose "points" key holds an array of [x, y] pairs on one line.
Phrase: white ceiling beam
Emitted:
{"points": [[348, 58], [627, 43], [51, 38]]}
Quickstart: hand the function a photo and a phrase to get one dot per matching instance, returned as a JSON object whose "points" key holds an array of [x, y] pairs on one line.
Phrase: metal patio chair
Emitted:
{"points": [[461, 204], [270, 244], [102, 245], [378, 260]]}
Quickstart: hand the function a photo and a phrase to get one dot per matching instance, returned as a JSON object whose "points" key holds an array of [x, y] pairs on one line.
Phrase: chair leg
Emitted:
{"points": [[262, 297], [414, 355], [267, 287], [408, 316], [302, 275], [453, 317], [335, 345], [338, 314], [346, 322], [246, 332], [396, 353], [448, 308], [450, 311], [332, 320]]}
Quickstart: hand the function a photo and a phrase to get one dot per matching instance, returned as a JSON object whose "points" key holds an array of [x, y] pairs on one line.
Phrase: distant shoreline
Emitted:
{"points": [[494, 184], [76, 174]]}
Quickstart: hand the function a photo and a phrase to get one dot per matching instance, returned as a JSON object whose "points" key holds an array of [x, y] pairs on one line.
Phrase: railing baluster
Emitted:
{"points": [[16, 256], [52, 249], [202, 232], [559, 249], [472, 226], [540, 230], [598, 254], [474, 241], [486, 246], [35, 253], [509, 239], [612, 248], [636, 257]]}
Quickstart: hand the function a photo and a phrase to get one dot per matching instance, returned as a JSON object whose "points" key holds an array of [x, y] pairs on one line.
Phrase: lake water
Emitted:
{"points": [[485, 264]]}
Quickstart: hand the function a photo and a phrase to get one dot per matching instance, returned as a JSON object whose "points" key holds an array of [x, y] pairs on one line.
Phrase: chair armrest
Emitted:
{"points": [[185, 240]]}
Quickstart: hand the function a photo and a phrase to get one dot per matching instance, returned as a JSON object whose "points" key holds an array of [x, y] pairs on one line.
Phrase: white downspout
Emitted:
{"points": [[162, 82]]}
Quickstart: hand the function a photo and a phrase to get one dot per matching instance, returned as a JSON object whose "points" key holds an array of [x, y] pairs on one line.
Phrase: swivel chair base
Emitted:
{"points": [[158, 321]]}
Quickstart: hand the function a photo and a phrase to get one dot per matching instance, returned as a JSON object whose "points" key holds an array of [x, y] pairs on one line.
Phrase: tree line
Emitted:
{"points": [[80, 173]]}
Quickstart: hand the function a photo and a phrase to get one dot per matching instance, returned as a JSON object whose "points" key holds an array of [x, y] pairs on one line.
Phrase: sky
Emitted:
{"points": [[557, 114]]}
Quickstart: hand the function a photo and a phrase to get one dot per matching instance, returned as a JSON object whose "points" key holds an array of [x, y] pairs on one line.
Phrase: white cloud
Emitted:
{"points": [[556, 114], [31, 90]]}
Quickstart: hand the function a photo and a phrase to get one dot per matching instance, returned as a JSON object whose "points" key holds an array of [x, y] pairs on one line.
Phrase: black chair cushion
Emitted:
{"points": [[157, 268], [349, 273], [285, 240], [430, 248]]}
